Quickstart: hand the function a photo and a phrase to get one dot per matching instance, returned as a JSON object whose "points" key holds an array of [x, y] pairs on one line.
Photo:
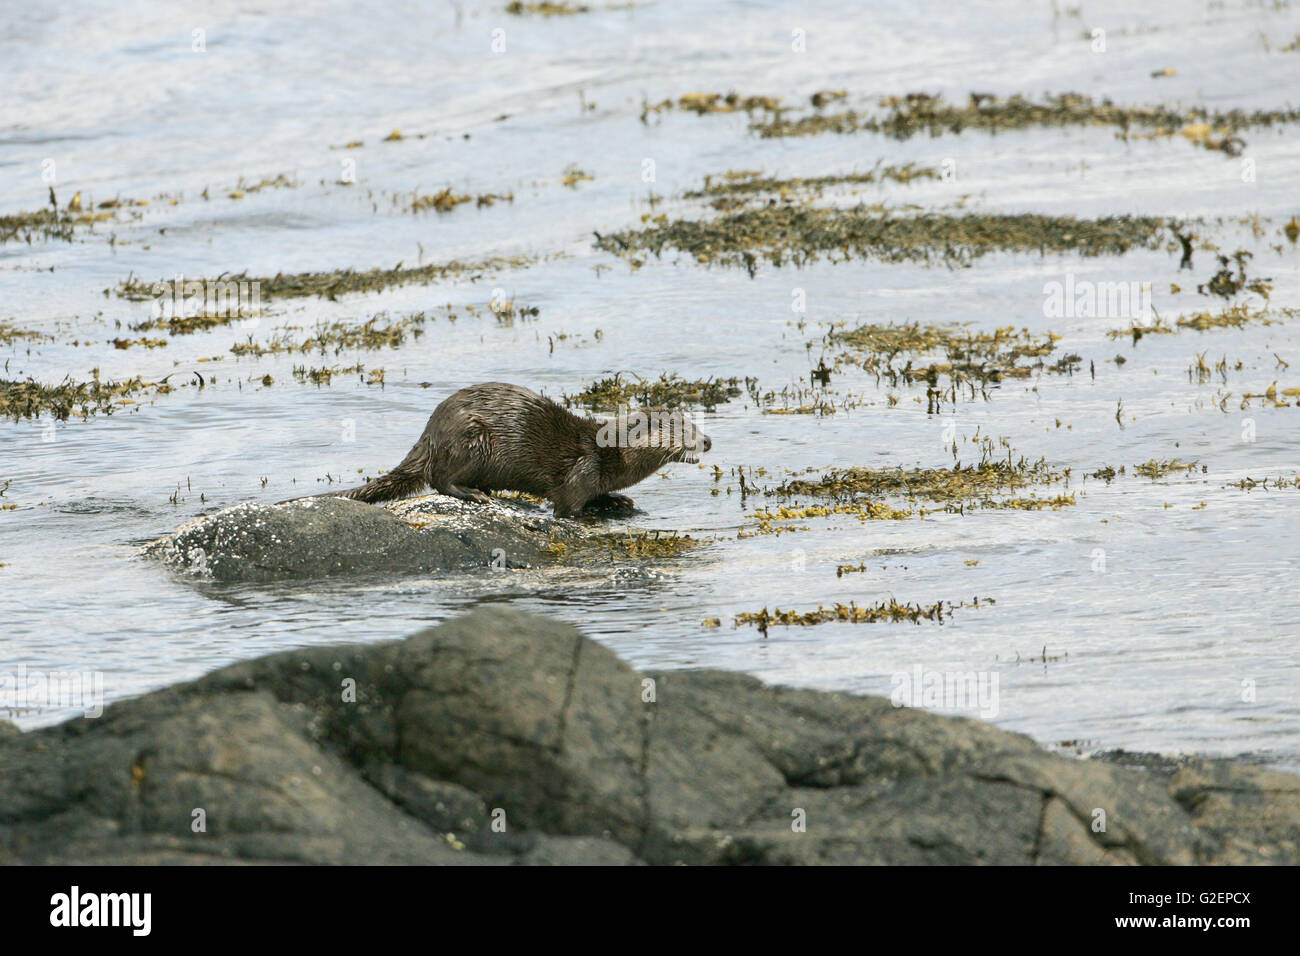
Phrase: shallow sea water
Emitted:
{"points": [[1150, 653]]}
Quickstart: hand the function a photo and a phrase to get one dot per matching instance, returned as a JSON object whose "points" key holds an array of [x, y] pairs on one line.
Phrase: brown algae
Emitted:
{"points": [[1155, 468], [799, 235], [625, 546], [1234, 317], [851, 613], [55, 223], [32, 399], [345, 281], [971, 357], [956, 489], [12, 335], [914, 114], [748, 183], [445, 200], [668, 391], [546, 8], [862, 510], [702, 103], [378, 332], [573, 175]]}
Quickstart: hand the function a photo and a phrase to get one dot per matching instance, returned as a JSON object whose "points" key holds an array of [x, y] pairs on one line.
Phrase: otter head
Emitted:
{"points": [[648, 438]]}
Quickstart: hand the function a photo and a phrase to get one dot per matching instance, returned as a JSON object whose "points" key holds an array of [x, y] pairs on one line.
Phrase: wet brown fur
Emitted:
{"points": [[500, 437]]}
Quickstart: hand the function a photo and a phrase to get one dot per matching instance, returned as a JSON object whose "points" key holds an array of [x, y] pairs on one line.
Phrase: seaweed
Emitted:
{"points": [[11, 335], [345, 281], [888, 611], [668, 391], [546, 8], [702, 103], [974, 360], [623, 546], [378, 332], [956, 489], [799, 235], [1155, 468], [573, 175], [445, 200], [914, 114], [747, 182], [1234, 317], [52, 222], [32, 399]]}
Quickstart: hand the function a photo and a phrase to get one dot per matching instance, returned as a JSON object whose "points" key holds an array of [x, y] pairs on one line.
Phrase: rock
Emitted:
{"points": [[578, 851], [506, 738], [1250, 810], [446, 807], [315, 537]]}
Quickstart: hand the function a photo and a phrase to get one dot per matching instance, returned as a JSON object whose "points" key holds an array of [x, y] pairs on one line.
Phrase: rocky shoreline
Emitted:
{"points": [[503, 737], [324, 537]]}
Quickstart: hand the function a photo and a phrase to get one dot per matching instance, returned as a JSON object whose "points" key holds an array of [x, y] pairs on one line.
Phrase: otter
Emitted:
{"points": [[500, 437]]}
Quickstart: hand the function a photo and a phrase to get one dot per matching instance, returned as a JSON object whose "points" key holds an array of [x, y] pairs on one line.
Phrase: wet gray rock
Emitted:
{"points": [[316, 537], [506, 738]]}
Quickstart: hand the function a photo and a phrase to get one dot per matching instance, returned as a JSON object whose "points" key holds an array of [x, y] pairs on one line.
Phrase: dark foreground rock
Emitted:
{"points": [[502, 737], [316, 537]]}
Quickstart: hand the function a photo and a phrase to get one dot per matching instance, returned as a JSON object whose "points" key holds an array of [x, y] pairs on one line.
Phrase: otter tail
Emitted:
{"points": [[402, 482]]}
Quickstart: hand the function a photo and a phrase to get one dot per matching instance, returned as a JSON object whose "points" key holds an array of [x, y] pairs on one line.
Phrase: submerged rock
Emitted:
{"points": [[504, 737], [314, 537]]}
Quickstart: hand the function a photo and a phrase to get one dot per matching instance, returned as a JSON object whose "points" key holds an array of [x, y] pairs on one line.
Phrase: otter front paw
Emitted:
{"points": [[611, 503]]}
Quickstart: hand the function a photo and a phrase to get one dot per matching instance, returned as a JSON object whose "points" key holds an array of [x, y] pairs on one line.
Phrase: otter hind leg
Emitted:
{"points": [[466, 494], [458, 467]]}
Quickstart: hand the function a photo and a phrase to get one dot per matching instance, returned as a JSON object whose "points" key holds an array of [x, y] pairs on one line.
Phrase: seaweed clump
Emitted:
{"points": [[55, 223], [446, 199], [669, 391], [702, 103], [377, 332], [1227, 284], [32, 399], [914, 114], [1155, 468], [851, 613], [799, 235], [971, 358], [11, 335], [955, 490], [574, 174], [864, 511], [1234, 317], [189, 324], [747, 182], [546, 8], [628, 545], [332, 284], [41, 224]]}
